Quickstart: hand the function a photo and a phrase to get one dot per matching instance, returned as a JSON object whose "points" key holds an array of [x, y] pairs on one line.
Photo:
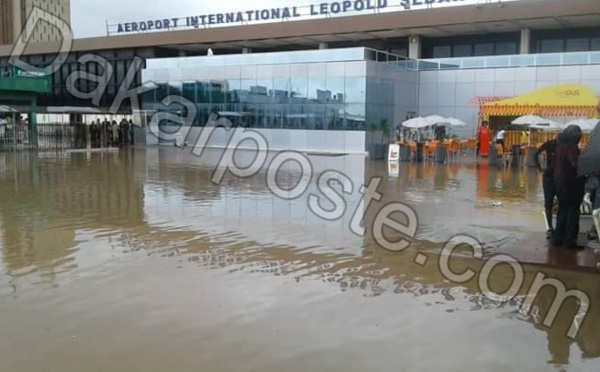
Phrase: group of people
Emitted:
{"points": [[437, 132], [484, 138], [561, 181], [111, 134]]}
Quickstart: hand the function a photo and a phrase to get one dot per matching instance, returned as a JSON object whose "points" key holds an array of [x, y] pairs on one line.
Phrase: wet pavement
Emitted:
{"points": [[135, 260]]}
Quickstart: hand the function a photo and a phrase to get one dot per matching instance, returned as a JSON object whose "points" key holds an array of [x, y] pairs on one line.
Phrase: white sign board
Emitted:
{"points": [[393, 169], [394, 153]]}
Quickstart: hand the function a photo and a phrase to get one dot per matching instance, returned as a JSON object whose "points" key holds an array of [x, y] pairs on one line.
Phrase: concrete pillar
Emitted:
{"points": [[414, 47], [525, 41], [323, 45], [246, 50]]}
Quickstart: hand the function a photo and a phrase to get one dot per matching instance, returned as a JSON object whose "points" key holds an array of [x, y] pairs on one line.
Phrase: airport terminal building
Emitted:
{"points": [[332, 82]]}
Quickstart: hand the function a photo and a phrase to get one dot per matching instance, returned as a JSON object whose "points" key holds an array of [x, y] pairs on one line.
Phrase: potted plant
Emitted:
{"points": [[378, 145], [371, 129], [385, 134]]}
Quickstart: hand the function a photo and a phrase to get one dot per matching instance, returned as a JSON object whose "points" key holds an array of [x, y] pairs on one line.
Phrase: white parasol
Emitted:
{"points": [[436, 119], [416, 123], [586, 125], [455, 122], [530, 120], [552, 125]]}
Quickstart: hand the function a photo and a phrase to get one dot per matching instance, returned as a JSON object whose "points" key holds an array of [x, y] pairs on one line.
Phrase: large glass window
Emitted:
{"points": [[442, 51], [483, 49], [506, 48], [189, 91], [595, 43], [577, 45], [551, 46], [356, 88], [470, 45], [322, 101], [299, 86], [565, 40], [463, 50]]}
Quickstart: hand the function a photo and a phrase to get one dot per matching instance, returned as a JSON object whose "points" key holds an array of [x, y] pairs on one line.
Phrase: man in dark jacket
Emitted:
{"points": [[569, 188], [549, 147]]}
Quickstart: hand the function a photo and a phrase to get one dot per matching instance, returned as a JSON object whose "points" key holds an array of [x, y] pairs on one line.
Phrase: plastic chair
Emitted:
{"points": [[429, 149], [453, 148], [471, 145], [412, 148]]}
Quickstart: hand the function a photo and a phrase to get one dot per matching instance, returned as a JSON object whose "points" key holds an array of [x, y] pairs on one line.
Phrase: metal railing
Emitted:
{"points": [[515, 60], [60, 137], [47, 137]]}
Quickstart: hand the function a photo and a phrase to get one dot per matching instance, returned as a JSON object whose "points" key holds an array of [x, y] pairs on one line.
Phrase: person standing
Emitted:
{"points": [[484, 139], [569, 188], [592, 200], [500, 139], [115, 133], [524, 138], [549, 147]]}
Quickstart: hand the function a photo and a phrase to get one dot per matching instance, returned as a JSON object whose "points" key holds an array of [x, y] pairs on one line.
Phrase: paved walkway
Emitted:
{"points": [[540, 251]]}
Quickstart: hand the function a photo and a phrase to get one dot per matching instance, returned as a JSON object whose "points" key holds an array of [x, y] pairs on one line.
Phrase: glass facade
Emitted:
{"points": [[471, 45], [519, 60], [119, 61], [565, 40], [313, 90]]}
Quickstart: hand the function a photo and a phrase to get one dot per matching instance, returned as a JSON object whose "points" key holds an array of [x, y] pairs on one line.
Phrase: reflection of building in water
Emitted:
{"points": [[247, 206], [587, 338], [504, 184], [374, 271], [240, 225], [43, 205]]}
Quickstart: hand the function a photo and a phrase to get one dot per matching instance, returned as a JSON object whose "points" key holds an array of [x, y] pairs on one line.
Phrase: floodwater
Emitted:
{"points": [[136, 261]]}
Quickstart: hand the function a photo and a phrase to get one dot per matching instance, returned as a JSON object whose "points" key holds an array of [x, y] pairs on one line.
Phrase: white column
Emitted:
{"points": [[525, 41], [245, 50], [322, 45], [414, 47]]}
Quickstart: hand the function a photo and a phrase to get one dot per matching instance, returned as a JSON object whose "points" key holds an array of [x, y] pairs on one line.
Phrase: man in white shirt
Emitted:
{"points": [[500, 139]]}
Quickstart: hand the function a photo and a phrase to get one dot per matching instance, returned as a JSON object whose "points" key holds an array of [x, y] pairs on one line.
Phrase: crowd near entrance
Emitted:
{"points": [[64, 131]]}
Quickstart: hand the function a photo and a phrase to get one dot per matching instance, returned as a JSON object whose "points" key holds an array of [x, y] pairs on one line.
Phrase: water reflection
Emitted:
{"points": [[108, 216]]}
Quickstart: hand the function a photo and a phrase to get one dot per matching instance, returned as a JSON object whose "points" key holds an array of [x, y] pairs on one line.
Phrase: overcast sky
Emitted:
{"points": [[89, 17]]}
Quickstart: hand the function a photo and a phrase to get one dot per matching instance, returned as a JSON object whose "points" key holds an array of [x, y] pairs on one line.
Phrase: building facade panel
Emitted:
{"points": [[317, 105], [546, 76], [565, 40], [14, 15]]}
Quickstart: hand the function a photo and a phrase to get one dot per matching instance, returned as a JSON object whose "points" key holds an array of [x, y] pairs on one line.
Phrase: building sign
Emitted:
{"points": [[274, 14], [19, 72]]}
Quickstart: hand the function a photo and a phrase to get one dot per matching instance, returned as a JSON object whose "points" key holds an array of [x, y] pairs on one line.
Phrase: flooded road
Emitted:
{"points": [[136, 261]]}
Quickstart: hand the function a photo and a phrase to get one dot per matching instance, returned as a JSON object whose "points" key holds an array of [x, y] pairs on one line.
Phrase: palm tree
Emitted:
{"points": [[385, 129]]}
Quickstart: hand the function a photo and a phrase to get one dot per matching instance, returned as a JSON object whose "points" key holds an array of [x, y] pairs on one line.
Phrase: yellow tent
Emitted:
{"points": [[559, 100]]}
